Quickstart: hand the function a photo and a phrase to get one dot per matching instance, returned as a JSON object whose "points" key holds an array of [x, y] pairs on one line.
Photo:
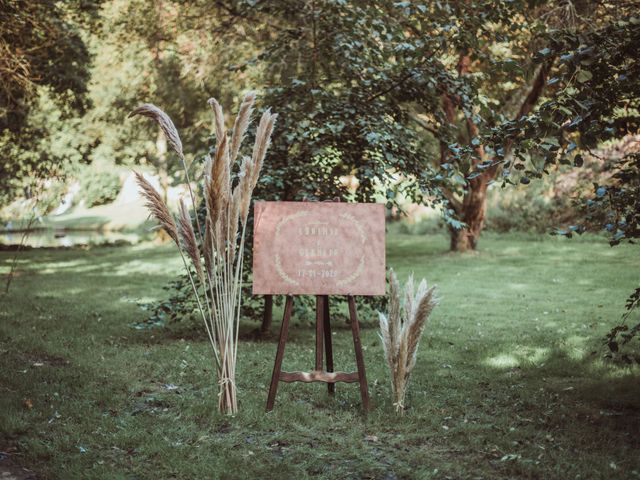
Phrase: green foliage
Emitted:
{"points": [[44, 62], [622, 334], [161, 52], [41, 46], [47, 147], [618, 202], [99, 187], [526, 210], [361, 85], [435, 100], [327, 66], [593, 101], [427, 226], [583, 109], [548, 205]]}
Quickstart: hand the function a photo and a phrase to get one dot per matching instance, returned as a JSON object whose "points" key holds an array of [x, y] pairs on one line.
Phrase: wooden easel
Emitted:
{"points": [[323, 336]]}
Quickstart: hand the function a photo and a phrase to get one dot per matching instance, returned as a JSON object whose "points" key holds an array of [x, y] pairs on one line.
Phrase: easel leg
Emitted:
{"points": [[284, 331], [319, 330], [328, 348], [267, 316], [355, 330]]}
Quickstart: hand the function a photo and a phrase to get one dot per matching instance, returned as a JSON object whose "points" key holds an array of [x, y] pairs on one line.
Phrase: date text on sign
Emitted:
{"points": [[318, 248]]}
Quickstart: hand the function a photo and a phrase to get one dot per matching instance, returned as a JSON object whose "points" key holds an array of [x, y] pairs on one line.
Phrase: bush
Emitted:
{"points": [[425, 226], [98, 187], [529, 209], [544, 205]]}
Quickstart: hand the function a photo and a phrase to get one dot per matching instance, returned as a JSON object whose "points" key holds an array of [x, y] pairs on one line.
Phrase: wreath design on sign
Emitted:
{"points": [[363, 238], [345, 216], [278, 261]]}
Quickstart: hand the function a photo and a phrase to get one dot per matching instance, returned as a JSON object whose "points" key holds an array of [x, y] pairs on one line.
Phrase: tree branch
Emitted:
{"points": [[423, 124], [453, 201], [392, 87], [529, 102], [537, 87]]}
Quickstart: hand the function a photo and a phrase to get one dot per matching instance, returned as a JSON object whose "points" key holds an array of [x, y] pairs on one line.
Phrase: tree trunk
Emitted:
{"points": [[472, 208], [267, 315], [472, 213]]}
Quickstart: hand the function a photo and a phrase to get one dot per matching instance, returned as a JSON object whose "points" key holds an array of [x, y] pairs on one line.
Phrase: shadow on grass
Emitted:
{"points": [[95, 222], [582, 394], [92, 269]]}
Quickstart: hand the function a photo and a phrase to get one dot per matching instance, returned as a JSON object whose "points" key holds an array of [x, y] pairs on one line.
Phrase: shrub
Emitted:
{"points": [[98, 187]]}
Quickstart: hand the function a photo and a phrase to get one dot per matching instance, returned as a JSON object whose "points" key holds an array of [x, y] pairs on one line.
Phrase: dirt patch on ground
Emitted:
{"points": [[39, 359], [9, 470]]}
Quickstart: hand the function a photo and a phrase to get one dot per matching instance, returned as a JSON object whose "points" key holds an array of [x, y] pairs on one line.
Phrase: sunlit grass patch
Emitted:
{"points": [[519, 355]]}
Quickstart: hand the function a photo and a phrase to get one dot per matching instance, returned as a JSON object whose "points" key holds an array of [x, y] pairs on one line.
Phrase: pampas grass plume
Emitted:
{"points": [[157, 207], [165, 122], [401, 330]]}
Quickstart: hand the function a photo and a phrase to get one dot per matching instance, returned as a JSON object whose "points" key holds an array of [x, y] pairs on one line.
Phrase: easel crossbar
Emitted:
{"points": [[319, 376]]}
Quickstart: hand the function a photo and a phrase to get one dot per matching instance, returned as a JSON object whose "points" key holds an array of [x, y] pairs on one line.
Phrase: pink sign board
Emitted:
{"points": [[318, 248]]}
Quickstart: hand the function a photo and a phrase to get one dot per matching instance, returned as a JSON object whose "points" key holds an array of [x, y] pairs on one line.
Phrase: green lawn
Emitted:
{"points": [[509, 382]]}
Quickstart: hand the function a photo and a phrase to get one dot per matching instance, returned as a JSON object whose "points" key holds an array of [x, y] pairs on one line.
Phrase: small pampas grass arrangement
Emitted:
{"points": [[401, 330], [215, 250]]}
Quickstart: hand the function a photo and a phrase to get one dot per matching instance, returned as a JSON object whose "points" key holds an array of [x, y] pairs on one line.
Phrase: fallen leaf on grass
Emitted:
{"points": [[510, 457], [55, 416]]}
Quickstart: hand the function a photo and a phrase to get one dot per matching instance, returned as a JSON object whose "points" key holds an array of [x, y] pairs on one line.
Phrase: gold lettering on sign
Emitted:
{"points": [[317, 230], [317, 273], [317, 252]]}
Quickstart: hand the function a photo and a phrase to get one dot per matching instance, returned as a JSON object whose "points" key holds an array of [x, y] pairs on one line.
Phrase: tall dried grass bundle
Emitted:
{"points": [[401, 330], [220, 245]]}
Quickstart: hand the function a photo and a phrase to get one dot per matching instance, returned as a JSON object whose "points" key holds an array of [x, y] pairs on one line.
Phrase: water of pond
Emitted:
{"points": [[68, 238]]}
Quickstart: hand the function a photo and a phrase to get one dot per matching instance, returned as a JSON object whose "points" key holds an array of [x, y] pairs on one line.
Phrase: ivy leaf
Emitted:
{"points": [[584, 76], [544, 52]]}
